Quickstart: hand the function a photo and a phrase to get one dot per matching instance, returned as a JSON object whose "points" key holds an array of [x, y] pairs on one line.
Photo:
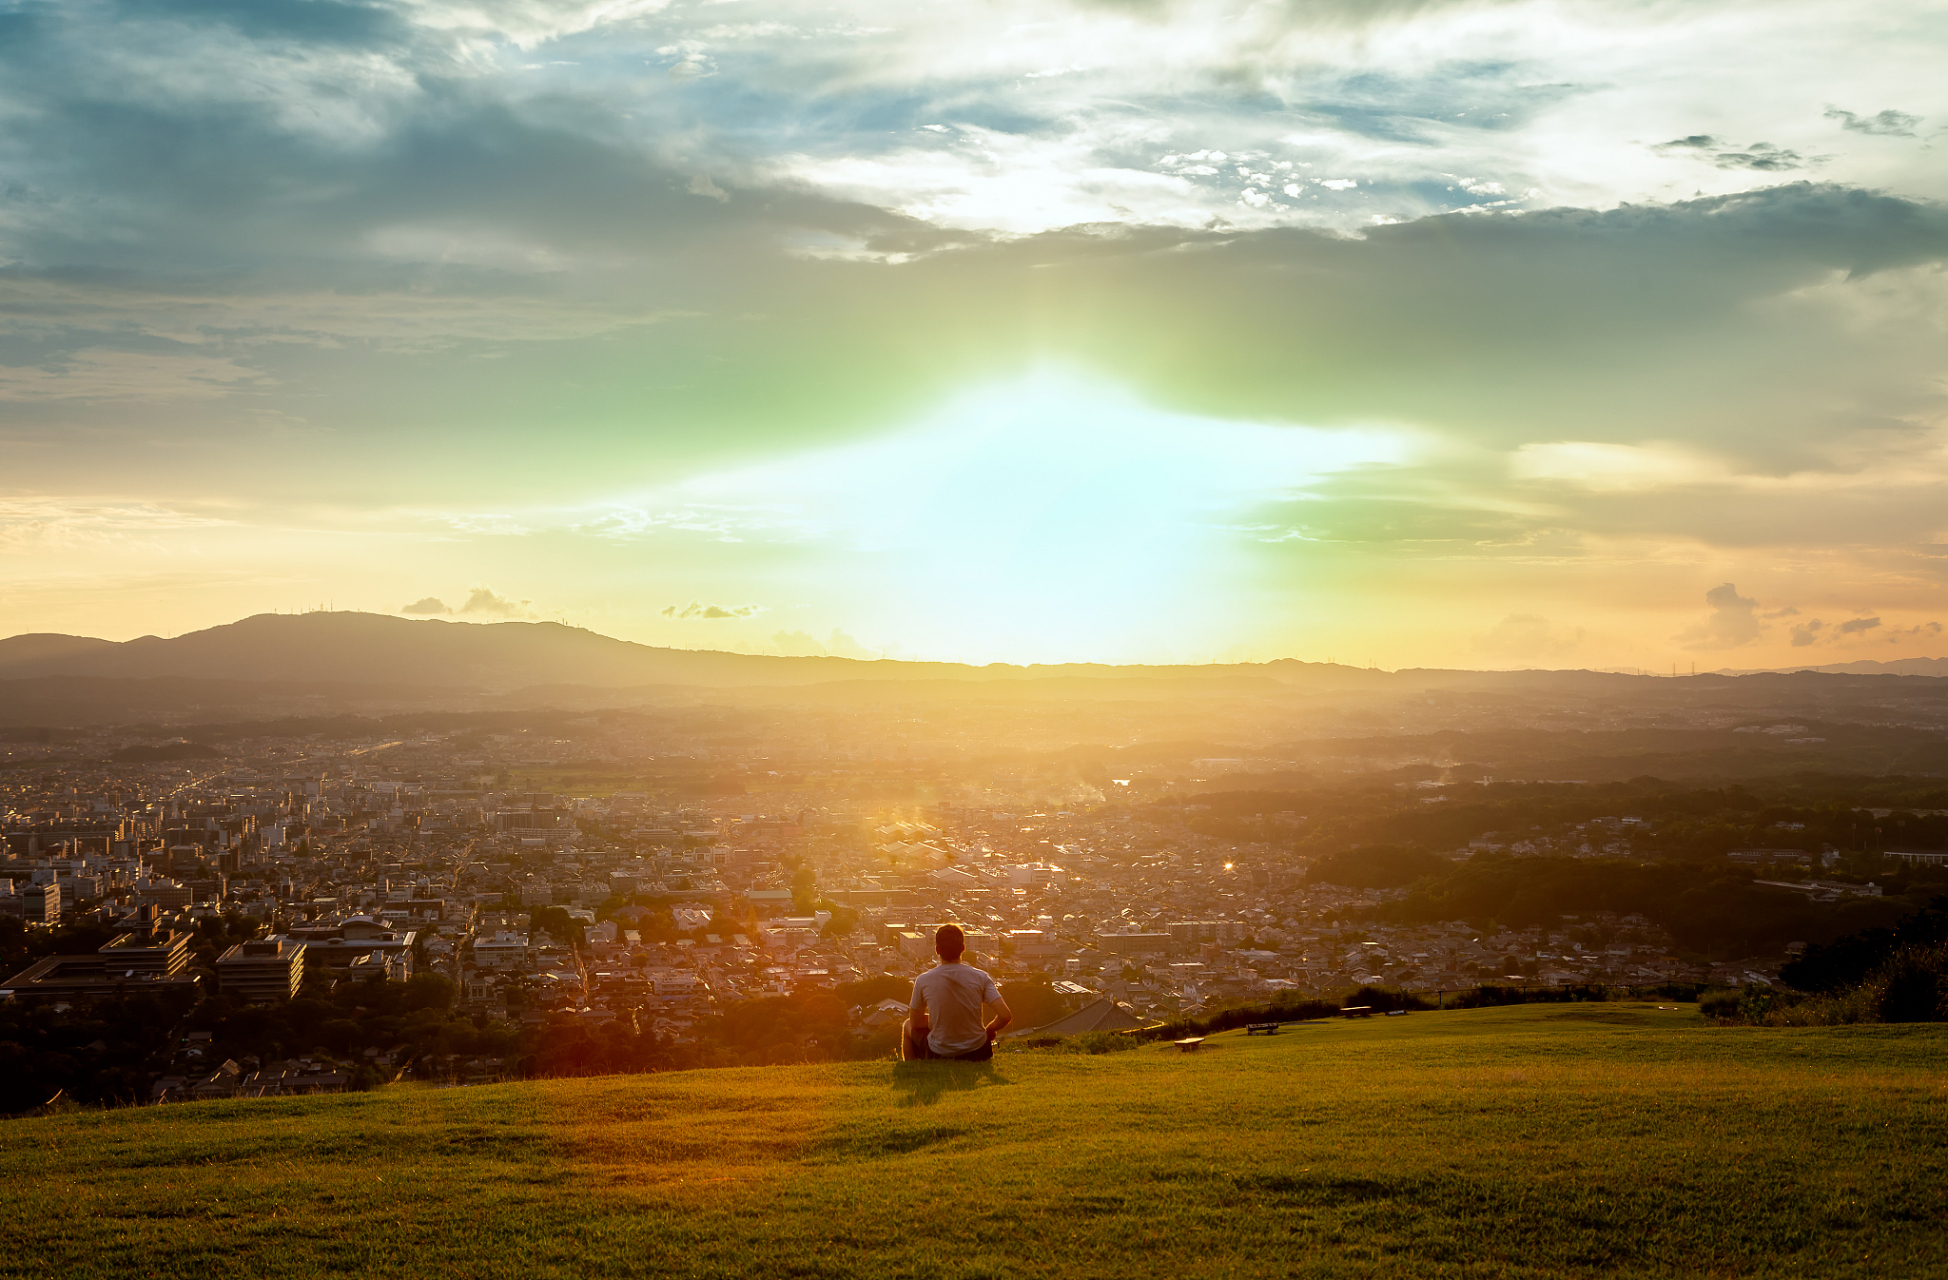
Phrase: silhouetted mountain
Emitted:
{"points": [[375, 649], [276, 665], [1865, 667]]}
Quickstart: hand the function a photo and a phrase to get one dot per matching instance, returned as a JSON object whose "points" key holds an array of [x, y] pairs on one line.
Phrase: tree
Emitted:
{"points": [[557, 922], [844, 920], [1377, 867], [428, 991], [1033, 1001], [804, 890], [866, 991]]}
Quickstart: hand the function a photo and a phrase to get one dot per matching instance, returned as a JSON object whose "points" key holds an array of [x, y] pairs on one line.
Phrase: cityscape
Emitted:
{"points": [[710, 882]]}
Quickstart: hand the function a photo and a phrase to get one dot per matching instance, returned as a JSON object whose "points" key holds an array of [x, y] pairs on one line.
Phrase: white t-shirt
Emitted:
{"points": [[951, 995]]}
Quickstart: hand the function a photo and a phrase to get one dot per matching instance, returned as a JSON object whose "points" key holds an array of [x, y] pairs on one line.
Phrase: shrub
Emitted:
{"points": [[1383, 999], [1910, 985], [1091, 1042], [1720, 1003], [1913, 985], [1849, 961], [1848, 1008]]}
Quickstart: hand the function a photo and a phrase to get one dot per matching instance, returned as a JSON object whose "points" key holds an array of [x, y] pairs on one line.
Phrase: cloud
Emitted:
{"points": [[1892, 124], [375, 245], [1524, 635], [1787, 611], [1814, 631], [800, 644], [1760, 156], [1733, 621], [841, 645], [46, 525], [493, 525], [797, 644], [99, 375], [486, 603], [427, 606], [1615, 468], [696, 609]]}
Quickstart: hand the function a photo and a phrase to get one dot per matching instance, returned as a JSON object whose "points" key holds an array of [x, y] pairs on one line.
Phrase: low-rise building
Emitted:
{"points": [[264, 970], [33, 903], [502, 949], [163, 951]]}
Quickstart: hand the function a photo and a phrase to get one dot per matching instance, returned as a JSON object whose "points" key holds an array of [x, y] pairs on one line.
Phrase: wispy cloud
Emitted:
{"points": [[484, 602], [50, 524], [1890, 123], [1760, 156], [710, 612]]}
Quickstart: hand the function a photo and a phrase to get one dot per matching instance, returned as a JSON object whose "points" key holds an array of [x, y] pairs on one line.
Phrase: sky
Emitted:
{"points": [[1399, 332]]}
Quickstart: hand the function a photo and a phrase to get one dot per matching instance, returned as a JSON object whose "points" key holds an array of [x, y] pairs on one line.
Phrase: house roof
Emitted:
{"points": [[1099, 1015]]}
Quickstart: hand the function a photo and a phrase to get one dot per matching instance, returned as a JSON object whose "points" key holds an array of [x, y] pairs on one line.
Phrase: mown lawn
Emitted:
{"points": [[1537, 1141]]}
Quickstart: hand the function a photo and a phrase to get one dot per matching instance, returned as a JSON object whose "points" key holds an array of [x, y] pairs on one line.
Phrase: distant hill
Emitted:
{"points": [[360, 649], [166, 753], [275, 665], [374, 649], [1864, 667], [369, 649]]}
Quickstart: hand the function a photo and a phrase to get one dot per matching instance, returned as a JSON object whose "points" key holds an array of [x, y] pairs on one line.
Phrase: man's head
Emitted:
{"points": [[949, 942]]}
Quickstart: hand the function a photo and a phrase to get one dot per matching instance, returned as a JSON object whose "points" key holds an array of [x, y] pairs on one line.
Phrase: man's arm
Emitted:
{"points": [[1002, 1017], [916, 1012]]}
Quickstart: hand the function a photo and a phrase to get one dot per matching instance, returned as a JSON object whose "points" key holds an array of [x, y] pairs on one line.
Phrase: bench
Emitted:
{"points": [[1188, 1045], [1253, 1028], [1357, 1011]]}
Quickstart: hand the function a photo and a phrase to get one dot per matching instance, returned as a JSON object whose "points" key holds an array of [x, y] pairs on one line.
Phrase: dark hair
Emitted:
{"points": [[949, 941]]}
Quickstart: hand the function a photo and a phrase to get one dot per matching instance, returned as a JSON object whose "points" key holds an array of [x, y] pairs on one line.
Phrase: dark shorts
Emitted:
{"points": [[923, 1052]]}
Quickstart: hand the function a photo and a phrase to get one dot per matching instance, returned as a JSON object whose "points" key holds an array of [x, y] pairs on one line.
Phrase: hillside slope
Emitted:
{"points": [[1537, 1141]]}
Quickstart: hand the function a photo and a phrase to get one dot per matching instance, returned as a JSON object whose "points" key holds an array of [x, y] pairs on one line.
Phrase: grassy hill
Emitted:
{"points": [[1530, 1141]]}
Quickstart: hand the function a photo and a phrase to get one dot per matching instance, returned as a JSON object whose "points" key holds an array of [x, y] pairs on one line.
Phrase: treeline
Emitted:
{"points": [[1290, 1006], [97, 1053], [1707, 909], [102, 1054], [1893, 974], [111, 1052], [410, 1020], [1804, 812], [1849, 961]]}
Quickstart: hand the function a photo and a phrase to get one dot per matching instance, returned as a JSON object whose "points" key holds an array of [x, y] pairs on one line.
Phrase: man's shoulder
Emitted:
{"points": [[956, 972]]}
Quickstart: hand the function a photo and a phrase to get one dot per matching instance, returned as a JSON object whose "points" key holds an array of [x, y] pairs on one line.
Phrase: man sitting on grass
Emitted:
{"points": [[944, 1020]]}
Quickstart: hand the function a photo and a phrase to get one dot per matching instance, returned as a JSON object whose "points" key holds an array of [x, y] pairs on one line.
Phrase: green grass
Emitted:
{"points": [[1530, 1141]]}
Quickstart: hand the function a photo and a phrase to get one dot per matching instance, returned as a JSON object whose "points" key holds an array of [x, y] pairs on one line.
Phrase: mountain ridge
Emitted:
{"points": [[373, 650], [1859, 667], [365, 648]]}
